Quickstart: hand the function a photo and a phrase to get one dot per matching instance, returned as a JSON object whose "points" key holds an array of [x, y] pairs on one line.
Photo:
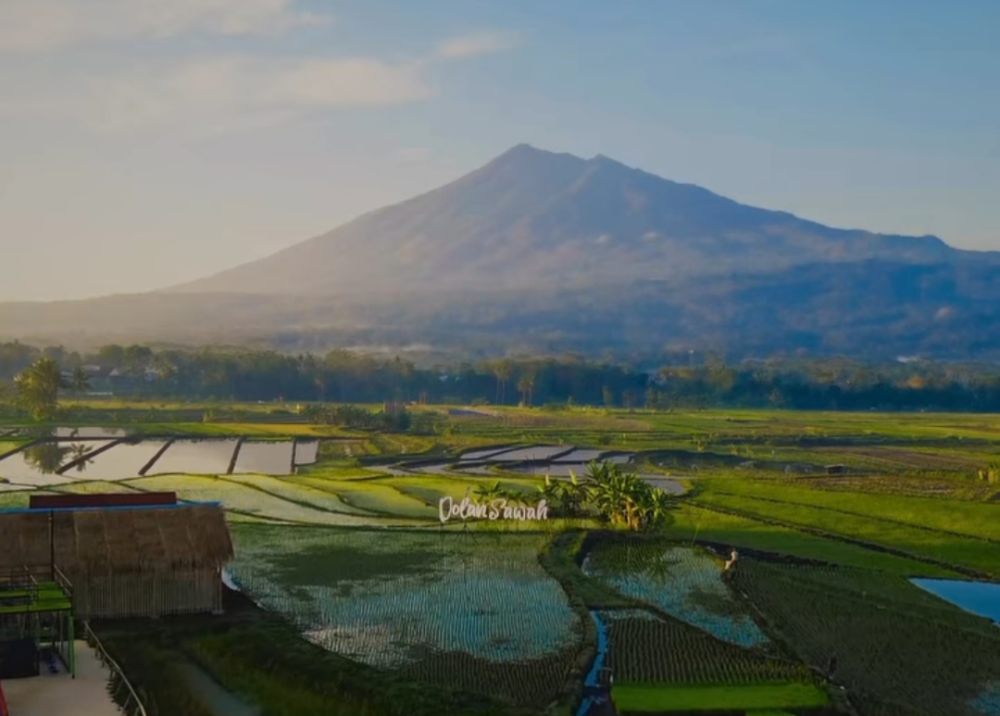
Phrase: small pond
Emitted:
{"points": [[982, 598]]}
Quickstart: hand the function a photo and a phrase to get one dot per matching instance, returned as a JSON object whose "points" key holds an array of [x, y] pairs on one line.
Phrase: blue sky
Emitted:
{"points": [[145, 143]]}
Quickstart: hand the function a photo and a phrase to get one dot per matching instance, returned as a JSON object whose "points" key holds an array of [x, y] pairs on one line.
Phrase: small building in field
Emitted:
{"points": [[124, 555]]}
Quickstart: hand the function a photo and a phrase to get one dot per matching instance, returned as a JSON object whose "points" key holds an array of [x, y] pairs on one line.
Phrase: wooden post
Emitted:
{"points": [[52, 545], [72, 647]]}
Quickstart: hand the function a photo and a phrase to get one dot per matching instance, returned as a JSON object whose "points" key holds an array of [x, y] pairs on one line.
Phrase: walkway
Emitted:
{"points": [[60, 695]]}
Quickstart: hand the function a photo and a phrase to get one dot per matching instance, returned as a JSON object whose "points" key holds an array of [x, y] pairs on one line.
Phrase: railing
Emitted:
{"points": [[60, 578], [18, 588], [120, 687], [19, 578]]}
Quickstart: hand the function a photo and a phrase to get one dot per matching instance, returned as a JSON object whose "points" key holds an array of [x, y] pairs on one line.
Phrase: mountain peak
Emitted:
{"points": [[525, 152], [604, 159]]}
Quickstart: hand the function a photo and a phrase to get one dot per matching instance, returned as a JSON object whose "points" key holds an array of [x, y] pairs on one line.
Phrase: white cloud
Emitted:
{"points": [[39, 25], [475, 44], [216, 93], [205, 93]]}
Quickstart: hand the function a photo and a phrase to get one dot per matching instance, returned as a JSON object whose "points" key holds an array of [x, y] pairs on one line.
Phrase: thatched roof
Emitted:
{"points": [[117, 541]]}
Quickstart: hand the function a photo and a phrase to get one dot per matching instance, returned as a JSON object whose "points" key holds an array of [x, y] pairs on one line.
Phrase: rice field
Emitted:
{"points": [[684, 582], [408, 601], [247, 500]]}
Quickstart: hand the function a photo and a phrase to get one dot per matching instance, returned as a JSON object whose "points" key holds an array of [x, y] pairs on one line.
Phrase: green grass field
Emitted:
{"points": [[668, 698]]}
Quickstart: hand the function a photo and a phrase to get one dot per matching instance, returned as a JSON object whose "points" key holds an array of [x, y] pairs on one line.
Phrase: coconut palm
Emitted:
{"points": [[502, 370], [488, 493]]}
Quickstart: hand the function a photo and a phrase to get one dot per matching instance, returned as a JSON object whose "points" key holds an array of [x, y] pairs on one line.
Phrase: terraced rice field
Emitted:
{"points": [[247, 499]]}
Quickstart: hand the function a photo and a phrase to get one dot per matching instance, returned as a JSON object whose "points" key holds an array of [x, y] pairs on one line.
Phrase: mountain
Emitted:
{"points": [[531, 217], [538, 251]]}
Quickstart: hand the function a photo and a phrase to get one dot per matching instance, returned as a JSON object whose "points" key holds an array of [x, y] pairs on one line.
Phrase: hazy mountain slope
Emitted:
{"points": [[872, 309]]}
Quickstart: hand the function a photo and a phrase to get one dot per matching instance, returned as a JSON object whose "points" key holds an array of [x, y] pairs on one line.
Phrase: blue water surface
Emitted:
{"points": [[982, 598]]}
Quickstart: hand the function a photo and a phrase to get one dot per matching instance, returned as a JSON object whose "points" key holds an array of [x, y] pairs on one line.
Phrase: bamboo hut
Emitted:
{"points": [[125, 561]]}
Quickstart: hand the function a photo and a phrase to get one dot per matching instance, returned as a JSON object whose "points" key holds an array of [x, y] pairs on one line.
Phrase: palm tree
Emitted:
{"points": [[526, 387], [488, 493], [501, 370]]}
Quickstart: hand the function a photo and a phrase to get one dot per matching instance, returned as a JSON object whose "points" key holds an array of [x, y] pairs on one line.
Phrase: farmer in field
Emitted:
{"points": [[731, 563]]}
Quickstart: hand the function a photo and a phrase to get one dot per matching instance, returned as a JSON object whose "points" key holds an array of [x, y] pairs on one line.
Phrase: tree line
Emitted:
{"points": [[37, 375]]}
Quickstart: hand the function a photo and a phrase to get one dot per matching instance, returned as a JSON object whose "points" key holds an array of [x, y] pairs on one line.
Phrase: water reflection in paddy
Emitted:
{"points": [[556, 469], [485, 453], [270, 458], [306, 452], [581, 455], [539, 452], [123, 461], [38, 465], [88, 433], [200, 457]]}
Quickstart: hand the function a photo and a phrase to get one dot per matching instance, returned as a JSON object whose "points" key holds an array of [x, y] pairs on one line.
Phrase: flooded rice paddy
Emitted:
{"points": [[108, 454], [306, 451], [684, 582], [200, 457], [557, 461], [409, 593], [269, 458], [123, 461]]}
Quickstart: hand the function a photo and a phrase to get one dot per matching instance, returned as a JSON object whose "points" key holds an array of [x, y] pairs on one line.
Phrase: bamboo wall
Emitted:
{"points": [[147, 594]]}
